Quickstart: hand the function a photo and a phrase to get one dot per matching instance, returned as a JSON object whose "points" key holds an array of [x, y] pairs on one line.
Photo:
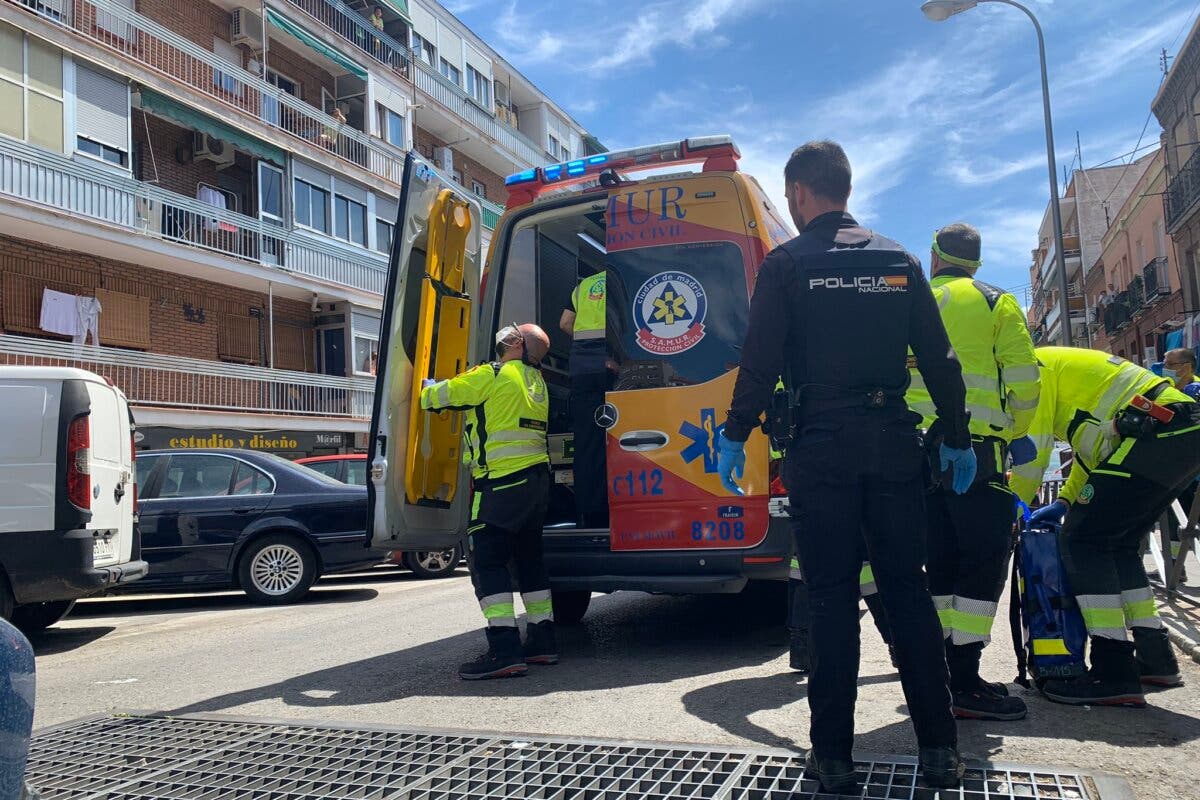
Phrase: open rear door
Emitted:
{"points": [[419, 488]]}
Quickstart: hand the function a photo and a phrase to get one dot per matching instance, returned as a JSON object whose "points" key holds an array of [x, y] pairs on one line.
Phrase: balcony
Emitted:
{"points": [[46, 179], [150, 45], [1156, 279], [1183, 191], [368, 41], [162, 381]]}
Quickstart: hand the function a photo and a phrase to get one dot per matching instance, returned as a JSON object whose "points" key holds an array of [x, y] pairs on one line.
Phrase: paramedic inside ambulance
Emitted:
{"points": [[591, 374]]}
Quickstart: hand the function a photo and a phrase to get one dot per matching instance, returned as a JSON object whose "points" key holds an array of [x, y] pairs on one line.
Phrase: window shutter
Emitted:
{"points": [[237, 338], [292, 347], [124, 319], [102, 107]]}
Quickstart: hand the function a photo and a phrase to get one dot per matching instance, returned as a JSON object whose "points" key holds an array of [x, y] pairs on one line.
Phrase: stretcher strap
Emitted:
{"points": [[1014, 622]]}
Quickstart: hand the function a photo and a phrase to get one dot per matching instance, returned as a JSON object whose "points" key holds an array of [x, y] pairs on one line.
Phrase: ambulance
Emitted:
{"points": [[681, 233]]}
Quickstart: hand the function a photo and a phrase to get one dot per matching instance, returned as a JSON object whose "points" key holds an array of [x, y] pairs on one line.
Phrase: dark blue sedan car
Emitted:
{"points": [[255, 521]]}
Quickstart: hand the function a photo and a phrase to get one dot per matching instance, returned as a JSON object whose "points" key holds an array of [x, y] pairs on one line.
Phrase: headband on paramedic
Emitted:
{"points": [[955, 260]]}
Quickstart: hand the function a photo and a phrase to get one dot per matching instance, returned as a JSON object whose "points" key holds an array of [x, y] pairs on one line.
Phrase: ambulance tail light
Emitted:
{"points": [[777, 488], [718, 153]]}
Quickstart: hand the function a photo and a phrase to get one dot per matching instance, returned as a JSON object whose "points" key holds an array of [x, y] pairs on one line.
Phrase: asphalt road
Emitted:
{"points": [[383, 647]]}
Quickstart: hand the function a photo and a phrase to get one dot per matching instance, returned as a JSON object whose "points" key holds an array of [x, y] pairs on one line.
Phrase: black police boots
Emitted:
{"points": [[798, 653], [973, 697], [941, 767], [503, 658], [835, 775], [1113, 679], [540, 645], [1157, 666]]}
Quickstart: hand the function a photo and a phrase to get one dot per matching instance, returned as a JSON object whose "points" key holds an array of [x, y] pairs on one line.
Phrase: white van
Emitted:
{"points": [[68, 499]]}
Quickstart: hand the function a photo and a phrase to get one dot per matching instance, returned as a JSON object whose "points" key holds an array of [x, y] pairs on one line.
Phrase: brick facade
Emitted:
{"points": [[471, 170], [170, 333]]}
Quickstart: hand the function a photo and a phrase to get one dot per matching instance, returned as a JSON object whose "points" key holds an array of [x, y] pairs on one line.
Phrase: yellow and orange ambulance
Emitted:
{"points": [[681, 247]]}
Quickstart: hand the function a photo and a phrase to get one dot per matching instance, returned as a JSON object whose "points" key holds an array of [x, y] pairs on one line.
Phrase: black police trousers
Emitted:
{"points": [[850, 473], [504, 538], [590, 465]]}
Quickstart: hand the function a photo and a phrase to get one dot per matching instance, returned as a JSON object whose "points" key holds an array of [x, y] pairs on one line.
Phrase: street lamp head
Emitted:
{"points": [[941, 10]]}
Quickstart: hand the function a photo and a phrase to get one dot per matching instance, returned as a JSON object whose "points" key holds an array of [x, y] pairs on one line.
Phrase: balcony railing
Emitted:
{"points": [[1156, 279], [1183, 190], [34, 175], [149, 379], [350, 25], [155, 47]]}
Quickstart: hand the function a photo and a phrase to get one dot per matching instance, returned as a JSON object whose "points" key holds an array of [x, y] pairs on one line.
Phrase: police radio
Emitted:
{"points": [[780, 422]]}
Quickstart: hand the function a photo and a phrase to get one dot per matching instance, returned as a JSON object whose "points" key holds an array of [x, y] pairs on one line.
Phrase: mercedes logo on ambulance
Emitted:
{"points": [[606, 415]]}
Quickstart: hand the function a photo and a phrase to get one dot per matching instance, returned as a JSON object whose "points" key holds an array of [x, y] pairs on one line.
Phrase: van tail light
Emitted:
{"points": [[777, 488], [133, 467], [79, 462]]}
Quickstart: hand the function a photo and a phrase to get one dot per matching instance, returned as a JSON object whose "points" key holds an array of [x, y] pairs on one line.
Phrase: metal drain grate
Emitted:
{"points": [[215, 758]]}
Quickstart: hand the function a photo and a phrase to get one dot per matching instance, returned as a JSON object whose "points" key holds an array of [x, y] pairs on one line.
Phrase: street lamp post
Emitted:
{"points": [[940, 10]]}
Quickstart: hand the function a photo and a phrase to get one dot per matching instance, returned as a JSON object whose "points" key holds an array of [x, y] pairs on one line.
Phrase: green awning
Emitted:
{"points": [[400, 7], [163, 106], [294, 30]]}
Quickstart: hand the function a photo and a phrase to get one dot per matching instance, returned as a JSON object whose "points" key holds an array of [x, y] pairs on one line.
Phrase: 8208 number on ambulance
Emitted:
{"points": [[680, 249]]}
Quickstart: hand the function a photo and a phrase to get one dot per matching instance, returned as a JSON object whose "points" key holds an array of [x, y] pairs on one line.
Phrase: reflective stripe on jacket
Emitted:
{"points": [[990, 338], [1082, 392], [588, 302], [509, 409]]}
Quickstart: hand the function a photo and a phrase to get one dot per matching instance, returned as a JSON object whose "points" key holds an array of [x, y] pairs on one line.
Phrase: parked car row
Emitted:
{"points": [[81, 512]]}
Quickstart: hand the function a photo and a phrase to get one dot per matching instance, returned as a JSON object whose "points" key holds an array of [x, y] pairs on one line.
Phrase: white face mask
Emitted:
{"points": [[1170, 374]]}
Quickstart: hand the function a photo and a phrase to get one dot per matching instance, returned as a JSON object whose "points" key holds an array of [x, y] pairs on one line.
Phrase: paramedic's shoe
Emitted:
{"points": [[798, 653], [994, 687], [1113, 679], [1157, 665], [835, 775], [540, 646], [503, 658], [941, 767], [985, 704]]}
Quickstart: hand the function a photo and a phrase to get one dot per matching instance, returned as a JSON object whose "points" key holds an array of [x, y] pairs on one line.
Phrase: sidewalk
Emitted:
{"points": [[1181, 613]]}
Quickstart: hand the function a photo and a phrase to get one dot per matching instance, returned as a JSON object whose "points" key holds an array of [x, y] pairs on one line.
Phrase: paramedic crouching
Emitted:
{"points": [[855, 465], [506, 434]]}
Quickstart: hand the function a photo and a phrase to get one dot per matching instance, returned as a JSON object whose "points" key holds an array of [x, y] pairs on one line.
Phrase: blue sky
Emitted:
{"points": [[942, 122]]}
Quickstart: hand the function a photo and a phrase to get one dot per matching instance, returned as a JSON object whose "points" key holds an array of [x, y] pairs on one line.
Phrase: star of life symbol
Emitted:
{"points": [[669, 311]]}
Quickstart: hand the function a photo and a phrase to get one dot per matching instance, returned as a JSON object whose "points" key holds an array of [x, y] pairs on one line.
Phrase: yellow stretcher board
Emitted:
{"points": [[443, 332]]}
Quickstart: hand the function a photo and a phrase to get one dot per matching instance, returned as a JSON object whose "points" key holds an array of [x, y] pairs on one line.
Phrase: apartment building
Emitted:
{"points": [[1087, 206], [1176, 107], [222, 177], [1135, 292]]}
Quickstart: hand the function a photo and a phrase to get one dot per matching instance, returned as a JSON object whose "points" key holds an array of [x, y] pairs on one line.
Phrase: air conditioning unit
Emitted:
{"points": [[444, 158], [246, 28], [1149, 356], [212, 149]]}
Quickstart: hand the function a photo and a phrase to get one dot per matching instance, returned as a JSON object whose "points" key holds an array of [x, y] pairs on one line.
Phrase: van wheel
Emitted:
{"points": [[570, 606], [35, 617], [277, 569]]}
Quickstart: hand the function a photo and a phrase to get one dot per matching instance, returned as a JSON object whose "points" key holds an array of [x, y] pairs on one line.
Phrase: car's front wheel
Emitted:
{"points": [[277, 569], [433, 563]]}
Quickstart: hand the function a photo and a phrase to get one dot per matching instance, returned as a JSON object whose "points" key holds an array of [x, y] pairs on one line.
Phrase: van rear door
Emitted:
{"points": [[419, 490], [111, 475]]}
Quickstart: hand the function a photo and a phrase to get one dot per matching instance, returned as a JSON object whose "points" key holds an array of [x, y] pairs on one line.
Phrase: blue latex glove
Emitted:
{"points": [[963, 462], [1022, 450], [1055, 513], [1022, 510], [731, 459], [425, 384]]}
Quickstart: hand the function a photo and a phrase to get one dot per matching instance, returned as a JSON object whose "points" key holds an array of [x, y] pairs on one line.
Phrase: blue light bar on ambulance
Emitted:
{"points": [[718, 153]]}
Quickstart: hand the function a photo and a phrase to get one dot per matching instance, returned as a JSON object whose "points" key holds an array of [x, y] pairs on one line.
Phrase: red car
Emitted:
{"points": [[351, 468]]}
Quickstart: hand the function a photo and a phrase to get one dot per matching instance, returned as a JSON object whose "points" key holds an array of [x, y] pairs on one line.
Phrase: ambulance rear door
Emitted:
{"points": [[419, 490]]}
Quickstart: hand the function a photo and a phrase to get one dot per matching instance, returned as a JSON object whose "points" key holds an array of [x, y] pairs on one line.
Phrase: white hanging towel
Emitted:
{"points": [[87, 309], [209, 195], [60, 313]]}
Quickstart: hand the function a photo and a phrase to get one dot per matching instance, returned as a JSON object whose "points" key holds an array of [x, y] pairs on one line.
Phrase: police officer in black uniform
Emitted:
{"points": [[835, 310]]}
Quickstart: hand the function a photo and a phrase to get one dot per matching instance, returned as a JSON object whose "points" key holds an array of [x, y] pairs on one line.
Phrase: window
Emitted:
{"points": [[31, 93], [366, 355], [457, 175], [422, 49], [312, 206], [101, 151], [198, 476], [564, 154], [251, 481], [450, 72], [101, 115], [554, 148], [479, 87], [270, 192], [145, 466], [327, 468], [391, 127], [349, 220], [356, 472], [383, 235], [270, 105], [226, 82], [478, 189]]}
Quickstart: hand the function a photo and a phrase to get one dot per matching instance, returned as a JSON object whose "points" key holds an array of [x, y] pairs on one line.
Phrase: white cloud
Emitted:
{"points": [[668, 23], [530, 44]]}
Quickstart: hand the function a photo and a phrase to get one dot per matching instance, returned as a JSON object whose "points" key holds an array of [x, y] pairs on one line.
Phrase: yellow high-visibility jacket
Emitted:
{"points": [[1082, 393], [990, 338], [588, 300], [509, 409]]}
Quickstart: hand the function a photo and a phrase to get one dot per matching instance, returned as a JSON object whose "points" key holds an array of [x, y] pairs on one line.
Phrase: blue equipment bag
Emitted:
{"points": [[1049, 635]]}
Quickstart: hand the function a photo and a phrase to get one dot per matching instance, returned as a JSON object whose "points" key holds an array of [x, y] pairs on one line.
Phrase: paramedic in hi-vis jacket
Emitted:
{"points": [[506, 440], [970, 535], [1137, 446]]}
